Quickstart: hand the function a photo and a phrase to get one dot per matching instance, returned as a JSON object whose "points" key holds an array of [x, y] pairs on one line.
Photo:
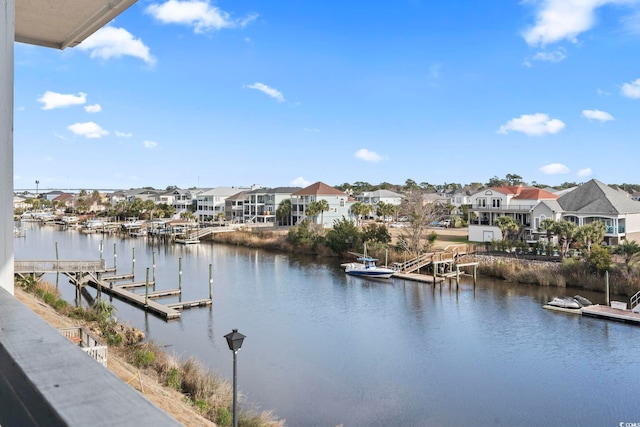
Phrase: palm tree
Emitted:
{"points": [[283, 212], [323, 205], [360, 209], [312, 209], [566, 231], [591, 233], [630, 250], [507, 225]]}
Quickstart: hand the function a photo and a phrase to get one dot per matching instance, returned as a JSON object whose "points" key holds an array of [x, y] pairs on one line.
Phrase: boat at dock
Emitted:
{"points": [[366, 267], [573, 304]]}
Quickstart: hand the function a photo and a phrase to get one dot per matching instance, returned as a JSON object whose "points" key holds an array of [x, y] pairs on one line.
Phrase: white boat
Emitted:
{"points": [[366, 267], [568, 304]]}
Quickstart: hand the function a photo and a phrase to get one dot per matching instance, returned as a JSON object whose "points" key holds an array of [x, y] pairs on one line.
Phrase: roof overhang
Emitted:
{"points": [[63, 23]]}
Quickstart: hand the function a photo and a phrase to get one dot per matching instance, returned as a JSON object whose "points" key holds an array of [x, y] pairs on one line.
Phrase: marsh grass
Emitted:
{"points": [[207, 392]]}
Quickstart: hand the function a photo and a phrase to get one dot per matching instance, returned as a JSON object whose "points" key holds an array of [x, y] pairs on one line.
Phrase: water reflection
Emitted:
{"points": [[324, 348]]}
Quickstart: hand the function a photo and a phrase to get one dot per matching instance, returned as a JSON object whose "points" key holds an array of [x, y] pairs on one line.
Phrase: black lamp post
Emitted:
{"points": [[234, 340], [37, 182]]}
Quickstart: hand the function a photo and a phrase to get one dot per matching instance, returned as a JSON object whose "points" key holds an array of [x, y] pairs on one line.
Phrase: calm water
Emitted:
{"points": [[324, 349]]}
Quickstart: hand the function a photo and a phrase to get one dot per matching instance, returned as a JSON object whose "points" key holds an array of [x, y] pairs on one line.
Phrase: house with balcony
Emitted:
{"points": [[458, 198], [517, 202], [372, 198], [210, 204], [233, 210], [339, 204], [259, 205], [590, 202]]}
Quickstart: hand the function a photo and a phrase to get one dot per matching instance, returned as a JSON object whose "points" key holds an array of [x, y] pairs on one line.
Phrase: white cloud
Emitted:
{"points": [[123, 134], [631, 90], [201, 15], [368, 156], [53, 100], [112, 42], [150, 144], [557, 55], [300, 182], [274, 93], [558, 20], [602, 92], [95, 108], [585, 172], [533, 124], [555, 169], [602, 116], [88, 130]]}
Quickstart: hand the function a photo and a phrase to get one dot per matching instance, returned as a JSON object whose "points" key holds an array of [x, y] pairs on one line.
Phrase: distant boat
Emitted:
{"points": [[366, 267]]}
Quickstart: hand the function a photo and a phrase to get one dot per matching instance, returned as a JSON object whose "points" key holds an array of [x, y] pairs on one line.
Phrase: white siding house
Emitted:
{"points": [[339, 204]]}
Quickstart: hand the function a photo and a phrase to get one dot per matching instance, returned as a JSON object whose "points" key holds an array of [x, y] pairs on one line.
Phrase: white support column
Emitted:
{"points": [[7, 35]]}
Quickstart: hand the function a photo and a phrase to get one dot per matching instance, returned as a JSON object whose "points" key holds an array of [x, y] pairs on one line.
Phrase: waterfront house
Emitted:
{"points": [[211, 203], [339, 204], [458, 198], [260, 205], [233, 207], [491, 203], [372, 198], [594, 201]]}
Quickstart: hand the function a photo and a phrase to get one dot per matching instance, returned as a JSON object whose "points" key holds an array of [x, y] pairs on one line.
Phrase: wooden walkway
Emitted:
{"points": [[57, 266], [617, 314], [138, 300]]}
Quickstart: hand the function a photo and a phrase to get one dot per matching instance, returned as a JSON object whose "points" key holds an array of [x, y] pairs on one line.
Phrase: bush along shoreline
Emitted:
{"points": [[585, 271], [210, 395]]}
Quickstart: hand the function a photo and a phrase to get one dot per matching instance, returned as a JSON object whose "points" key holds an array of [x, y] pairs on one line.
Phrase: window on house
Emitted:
{"points": [[495, 203], [481, 202]]}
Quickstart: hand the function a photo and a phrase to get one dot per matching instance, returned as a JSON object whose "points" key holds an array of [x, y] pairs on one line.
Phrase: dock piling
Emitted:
{"points": [[210, 283]]}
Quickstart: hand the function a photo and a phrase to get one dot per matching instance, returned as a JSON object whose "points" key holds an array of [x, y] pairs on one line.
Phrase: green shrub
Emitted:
{"points": [[223, 417], [60, 305], [143, 358], [49, 298], [173, 379], [202, 406]]}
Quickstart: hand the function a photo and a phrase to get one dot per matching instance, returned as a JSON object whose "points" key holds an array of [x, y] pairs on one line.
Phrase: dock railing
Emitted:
{"points": [[54, 266]]}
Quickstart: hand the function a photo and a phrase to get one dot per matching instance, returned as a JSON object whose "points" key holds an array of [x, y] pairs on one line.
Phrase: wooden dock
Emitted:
{"points": [[616, 314], [132, 298]]}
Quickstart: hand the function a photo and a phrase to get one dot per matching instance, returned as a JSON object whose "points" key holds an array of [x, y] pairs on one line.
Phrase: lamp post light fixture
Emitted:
{"points": [[37, 183], [234, 341]]}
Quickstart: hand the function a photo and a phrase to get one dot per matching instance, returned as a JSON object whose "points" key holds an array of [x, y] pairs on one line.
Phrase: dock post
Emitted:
{"points": [[57, 266], [99, 285], [133, 263], [115, 257], [180, 274], [606, 282], [210, 283], [475, 267], [100, 249], [146, 290], [435, 270], [153, 257]]}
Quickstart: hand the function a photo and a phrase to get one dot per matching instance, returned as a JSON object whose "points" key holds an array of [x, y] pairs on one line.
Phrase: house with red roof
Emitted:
{"points": [[517, 202], [339, 204]]}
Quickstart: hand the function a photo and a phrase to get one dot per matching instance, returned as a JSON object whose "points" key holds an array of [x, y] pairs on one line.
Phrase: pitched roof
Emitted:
{"points": [[526, 193], [318, 189], [598, 198]]}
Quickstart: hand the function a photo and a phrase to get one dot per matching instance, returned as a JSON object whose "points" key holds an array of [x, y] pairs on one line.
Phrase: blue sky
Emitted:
{"points": [[287, 93]]}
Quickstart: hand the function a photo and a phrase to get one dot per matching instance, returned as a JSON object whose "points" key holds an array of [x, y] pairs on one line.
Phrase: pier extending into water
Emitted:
{"points": [[83, 273], [441, 264]]}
